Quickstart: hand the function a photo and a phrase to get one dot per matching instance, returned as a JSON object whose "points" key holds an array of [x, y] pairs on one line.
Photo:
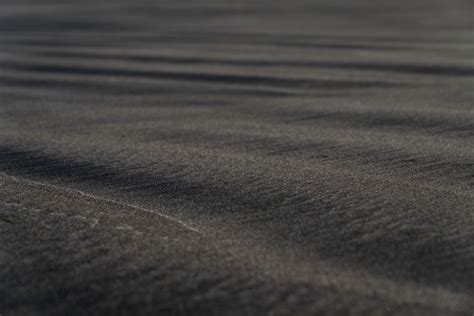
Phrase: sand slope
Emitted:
{"points": [[241, 157]]}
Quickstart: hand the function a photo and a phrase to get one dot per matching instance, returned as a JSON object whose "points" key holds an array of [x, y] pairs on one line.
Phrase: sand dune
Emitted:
{"points": [[236, 157]]}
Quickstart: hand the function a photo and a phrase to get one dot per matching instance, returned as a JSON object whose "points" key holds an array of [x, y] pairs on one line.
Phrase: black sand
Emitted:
{"points": [[240, 157]]}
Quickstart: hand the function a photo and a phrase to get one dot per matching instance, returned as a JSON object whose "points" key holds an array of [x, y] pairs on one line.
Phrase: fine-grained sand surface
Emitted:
{"points": [[236, 157]]}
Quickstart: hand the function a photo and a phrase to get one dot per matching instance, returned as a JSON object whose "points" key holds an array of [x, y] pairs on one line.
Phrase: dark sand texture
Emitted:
{"points": [[236, 157]]}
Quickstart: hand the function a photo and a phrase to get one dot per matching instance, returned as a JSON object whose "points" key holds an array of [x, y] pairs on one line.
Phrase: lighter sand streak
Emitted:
{"points": [[99, 198]]}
